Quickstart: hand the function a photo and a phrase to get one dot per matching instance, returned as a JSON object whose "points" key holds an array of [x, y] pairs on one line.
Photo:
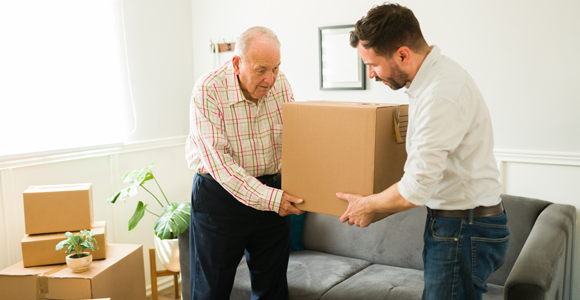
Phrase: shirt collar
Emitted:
{"points": [[416, 87]]}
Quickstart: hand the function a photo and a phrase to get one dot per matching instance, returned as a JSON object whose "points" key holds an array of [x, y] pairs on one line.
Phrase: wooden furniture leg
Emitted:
{"points": [[155, 274]]}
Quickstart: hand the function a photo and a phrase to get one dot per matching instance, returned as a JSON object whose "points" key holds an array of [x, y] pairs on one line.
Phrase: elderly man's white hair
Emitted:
{"points": [[247, 36]]}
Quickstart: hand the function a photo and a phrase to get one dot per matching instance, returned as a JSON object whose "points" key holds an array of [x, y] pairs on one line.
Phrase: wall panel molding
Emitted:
{"points": [[127, 148], [538, 157]]}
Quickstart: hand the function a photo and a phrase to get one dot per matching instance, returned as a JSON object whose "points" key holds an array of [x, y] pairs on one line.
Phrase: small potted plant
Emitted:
{"points": [[78, 243], [173, 220]]}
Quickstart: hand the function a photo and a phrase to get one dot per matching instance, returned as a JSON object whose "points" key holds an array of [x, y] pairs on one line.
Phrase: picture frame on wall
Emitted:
{"points": [[341, 67]]}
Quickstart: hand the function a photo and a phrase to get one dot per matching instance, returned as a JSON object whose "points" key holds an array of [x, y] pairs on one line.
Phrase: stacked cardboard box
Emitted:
{"points": [[49, 212], [52, 210], [330, 147], [121, 276]]}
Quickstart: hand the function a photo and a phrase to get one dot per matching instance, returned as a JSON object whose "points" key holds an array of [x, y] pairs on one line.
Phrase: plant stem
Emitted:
{"points": [[152, 195], [151, 212], [160, 188]]}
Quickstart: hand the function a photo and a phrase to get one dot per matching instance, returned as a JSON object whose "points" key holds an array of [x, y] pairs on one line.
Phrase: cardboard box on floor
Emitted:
{"points": [[58, 208], [40, 249], [120, 277], [330, 147]]}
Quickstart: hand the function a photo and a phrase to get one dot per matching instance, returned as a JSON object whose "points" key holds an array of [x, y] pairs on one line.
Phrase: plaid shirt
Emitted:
{"points": [[236, 140]]}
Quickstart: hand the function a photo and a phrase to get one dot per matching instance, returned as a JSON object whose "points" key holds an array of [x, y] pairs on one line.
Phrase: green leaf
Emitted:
{"points": [[143, 178], [61, 245], [126, 192], [96, 244], [131, 176], [137, 215], [173, 221], [114, 197]]}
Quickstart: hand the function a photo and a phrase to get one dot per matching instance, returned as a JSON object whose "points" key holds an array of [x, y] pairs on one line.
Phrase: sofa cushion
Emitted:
{"points": [[310, 274], [380, 282], [296, 237], [395, 241]]}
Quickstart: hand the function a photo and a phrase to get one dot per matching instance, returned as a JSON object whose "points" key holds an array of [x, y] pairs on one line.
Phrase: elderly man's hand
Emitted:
{"points": [[357, 212], [286, 206]]}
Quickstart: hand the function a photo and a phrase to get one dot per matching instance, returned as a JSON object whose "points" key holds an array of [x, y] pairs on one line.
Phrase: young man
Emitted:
{"points": [[450, 166], [235, 147]]}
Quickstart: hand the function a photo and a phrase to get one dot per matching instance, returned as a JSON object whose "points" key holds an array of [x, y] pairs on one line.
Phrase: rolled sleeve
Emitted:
{"points": [[439, 129]]}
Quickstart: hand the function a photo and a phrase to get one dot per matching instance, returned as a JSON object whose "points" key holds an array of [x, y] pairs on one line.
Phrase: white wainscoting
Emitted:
{"points": [[103, 168], [551, 176]]}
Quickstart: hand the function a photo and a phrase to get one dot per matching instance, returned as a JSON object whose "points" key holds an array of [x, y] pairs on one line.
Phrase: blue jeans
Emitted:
{"points": [[461, 253]]}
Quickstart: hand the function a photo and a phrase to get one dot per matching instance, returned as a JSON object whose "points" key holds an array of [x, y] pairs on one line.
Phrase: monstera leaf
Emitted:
{"points": [[174, 220]]}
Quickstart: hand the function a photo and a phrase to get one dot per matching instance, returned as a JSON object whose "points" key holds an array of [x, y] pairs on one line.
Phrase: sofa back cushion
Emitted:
{"points": [[395, 241], [398, 239]]}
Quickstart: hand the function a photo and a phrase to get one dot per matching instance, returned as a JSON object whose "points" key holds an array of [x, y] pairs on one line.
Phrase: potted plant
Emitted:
{"points": [[173, 219], [78, 243]]}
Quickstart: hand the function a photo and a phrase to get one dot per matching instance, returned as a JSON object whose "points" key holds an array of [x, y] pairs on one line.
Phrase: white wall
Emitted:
{"points": [[159, 47], [521, 53], [159, 51]]}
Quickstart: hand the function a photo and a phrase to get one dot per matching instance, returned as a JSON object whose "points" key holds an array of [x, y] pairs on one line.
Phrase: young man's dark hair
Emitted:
{"points": [[388, 27]]}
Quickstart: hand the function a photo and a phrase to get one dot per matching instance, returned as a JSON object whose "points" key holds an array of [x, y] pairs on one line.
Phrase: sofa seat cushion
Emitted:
{"points": [[380, 282], [390, 283], [310, 274]]}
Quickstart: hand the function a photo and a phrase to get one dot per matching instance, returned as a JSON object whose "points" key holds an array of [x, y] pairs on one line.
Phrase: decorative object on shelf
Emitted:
{"points": [[222, 47], [341, 67], [173, 220], [79, 261]]}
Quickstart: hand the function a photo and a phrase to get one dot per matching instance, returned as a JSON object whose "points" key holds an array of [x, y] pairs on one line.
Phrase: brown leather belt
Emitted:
{"points": [[478, 212]]}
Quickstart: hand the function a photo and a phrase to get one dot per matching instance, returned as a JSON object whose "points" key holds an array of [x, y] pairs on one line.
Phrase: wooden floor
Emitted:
{"points": [[168, 294]]}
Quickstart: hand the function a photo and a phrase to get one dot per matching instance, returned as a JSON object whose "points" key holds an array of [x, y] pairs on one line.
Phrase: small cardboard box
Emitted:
{"points": [[39, 249], [330, 147], [119, 277], [58, 208]]}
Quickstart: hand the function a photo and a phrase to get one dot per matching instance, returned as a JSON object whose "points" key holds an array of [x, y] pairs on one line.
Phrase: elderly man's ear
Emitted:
{"points": [[236, 60]]}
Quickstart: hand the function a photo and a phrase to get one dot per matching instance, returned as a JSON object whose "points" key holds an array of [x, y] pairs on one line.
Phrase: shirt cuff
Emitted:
{"points": [[272, 199], [413, 191]]}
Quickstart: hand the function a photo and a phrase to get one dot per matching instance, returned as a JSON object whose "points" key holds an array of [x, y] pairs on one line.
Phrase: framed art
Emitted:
{"points": [[341, 67]]}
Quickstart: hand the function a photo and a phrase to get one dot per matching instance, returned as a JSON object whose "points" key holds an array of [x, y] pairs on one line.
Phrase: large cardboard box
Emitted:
{"points": [[58, 208], [120, 277], [330, 147], [39, 249]]}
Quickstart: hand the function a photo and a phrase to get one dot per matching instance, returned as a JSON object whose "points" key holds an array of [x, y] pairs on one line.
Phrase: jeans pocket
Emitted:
{"points": [[445, 229], [488, 255]]}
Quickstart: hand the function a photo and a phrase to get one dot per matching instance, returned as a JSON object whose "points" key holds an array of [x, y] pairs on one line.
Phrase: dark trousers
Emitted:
{"points": [[222, 230]]}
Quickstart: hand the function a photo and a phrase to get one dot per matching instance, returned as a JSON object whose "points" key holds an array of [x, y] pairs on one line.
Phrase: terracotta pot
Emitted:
{"points": [[79, 265], [168, 253]]}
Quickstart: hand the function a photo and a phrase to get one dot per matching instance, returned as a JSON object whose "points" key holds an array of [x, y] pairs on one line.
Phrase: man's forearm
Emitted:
{"points": [[389, 200]]}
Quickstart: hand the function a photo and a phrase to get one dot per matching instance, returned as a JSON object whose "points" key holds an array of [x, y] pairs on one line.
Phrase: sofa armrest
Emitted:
{"points": [[543, 268]]}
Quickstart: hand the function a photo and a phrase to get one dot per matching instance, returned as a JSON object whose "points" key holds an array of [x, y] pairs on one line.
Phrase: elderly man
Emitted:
{"points": [[450, 166], [235, 147]]}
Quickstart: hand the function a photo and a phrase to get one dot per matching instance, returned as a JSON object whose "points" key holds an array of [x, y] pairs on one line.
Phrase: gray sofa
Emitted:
{"points": [[384, 261]]}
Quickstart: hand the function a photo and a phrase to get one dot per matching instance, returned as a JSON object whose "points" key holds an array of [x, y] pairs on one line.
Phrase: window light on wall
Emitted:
{"points": [[63, 76]]}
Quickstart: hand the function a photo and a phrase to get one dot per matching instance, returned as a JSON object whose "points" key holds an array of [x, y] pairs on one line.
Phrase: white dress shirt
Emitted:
{"points": [[450, 163]]}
